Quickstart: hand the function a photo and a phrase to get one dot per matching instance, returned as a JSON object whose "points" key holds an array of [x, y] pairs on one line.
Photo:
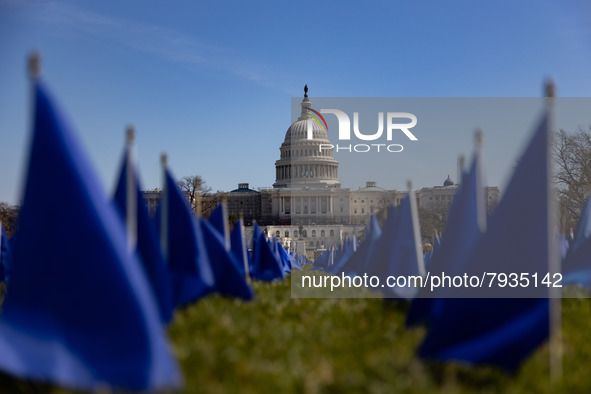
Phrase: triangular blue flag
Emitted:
{"points": [[239, 247], [148, 245], [398, 250], [229, 281], [80, 311], [266, 266], [356, 264], [183, 246], [505, 331]]}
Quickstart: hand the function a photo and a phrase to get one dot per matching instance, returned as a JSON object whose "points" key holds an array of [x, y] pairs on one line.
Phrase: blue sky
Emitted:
{"points": [[210, 82]]}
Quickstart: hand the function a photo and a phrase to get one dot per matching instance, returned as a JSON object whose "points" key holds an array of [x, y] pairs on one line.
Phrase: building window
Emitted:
{"points": [[287, 234], [362, 210], [322, 233], [332, 233], [295, 233], [311, 244], [277, 233], [313, 233], [304, 233]]}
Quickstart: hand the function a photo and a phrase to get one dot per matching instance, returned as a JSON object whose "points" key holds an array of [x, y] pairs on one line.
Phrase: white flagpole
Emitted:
{"points": [[226, 220], [164, 209], [130, 191], [555, 301], [244, 248], [415, 228], [481, 199]]}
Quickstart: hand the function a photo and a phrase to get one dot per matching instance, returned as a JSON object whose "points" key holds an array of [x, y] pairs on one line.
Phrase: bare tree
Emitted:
{"points": [[194, 188], [433, 220], [9, 217], [571, 154]]}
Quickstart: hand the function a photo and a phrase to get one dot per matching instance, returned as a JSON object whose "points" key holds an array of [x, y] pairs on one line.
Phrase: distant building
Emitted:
{"points": [[246, 202]]}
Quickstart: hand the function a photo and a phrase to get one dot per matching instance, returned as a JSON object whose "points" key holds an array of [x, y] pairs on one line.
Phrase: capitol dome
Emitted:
{"points": [[448, 182], [304, 161]]}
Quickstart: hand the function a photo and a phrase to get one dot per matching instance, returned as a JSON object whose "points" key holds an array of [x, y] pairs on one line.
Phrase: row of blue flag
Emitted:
{"points": [[521, 236], [92, 281]]}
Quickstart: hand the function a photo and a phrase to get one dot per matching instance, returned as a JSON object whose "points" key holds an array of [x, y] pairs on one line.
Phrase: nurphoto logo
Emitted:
{"points": [[345, 130]]}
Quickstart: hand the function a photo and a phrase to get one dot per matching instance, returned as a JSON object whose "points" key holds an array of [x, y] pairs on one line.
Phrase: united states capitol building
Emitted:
{"points": [[307, 203]]}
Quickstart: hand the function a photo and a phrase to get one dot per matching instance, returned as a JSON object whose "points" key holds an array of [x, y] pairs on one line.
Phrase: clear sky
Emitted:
{"points": [[210, 82]]}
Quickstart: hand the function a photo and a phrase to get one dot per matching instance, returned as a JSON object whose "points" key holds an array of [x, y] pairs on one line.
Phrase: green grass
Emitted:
{"points": [[276, 344]]}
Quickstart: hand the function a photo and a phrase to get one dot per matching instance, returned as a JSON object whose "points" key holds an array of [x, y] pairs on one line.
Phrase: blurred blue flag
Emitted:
{"points": [[183, 245], [239, 247], [398, 250], [80, 311], [229, 280], [356, 264], [321, 263], [5, 256], [266, 266], [148, 245], [505, 331], [295, 264], [348, 248], [465, 225], [285, 257]]}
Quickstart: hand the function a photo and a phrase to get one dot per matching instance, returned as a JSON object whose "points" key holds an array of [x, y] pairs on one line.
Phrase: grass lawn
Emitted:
{"points": [[277, 344]]}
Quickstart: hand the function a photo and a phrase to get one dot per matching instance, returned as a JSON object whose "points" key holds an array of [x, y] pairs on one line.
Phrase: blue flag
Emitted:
{"points": [[356, 264], [266, 266], [505, 331], [80, 311], [398, 250], [229, 281], [5, 256], [183, 246], [239, 247], [465, 225], [148, 245], [285, 257], [348, 249], [321, 263]]}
